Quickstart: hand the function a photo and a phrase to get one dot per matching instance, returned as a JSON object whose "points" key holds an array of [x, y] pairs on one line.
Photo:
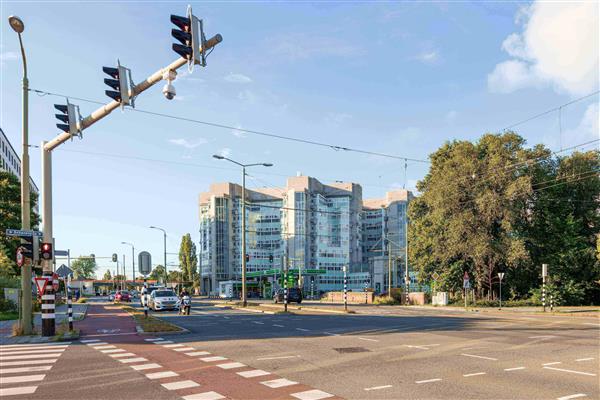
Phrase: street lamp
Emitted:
{"points": [[18, 26], [132, 260], [165, 248], [244, 166]]}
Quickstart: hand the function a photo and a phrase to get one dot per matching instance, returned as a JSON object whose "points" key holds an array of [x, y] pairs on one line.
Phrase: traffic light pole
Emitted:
{"points": [[48, 321]]}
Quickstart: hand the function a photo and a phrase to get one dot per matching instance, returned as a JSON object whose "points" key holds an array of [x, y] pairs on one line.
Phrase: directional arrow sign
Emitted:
{"points": [[23, 233]]}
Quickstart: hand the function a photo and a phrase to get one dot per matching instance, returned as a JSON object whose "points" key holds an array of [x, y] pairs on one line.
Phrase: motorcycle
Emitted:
{"points": [[185, 305]]}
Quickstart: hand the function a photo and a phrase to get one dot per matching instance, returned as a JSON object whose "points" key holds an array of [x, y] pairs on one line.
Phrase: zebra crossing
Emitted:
{"points": [[23, 367]]}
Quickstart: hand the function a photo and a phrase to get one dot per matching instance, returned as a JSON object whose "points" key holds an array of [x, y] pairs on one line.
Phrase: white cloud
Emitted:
{"points": [[429, 57], [558, 47], [237, 133], [297, 46], [238, 78], [225, 152], [587, 129], [187, 144]]}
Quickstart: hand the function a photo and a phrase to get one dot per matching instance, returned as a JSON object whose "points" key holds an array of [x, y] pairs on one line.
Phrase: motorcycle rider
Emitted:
{"points": [[182, 295]]}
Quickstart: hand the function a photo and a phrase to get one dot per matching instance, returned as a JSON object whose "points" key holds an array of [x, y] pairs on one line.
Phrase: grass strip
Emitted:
{"points": [[150, 323]]}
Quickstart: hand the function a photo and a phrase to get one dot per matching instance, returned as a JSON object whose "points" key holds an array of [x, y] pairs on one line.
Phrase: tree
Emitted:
{"points": [[107, 276], [188, 260], [10, 215], [84, 267], [157, 273], [7, 266]]}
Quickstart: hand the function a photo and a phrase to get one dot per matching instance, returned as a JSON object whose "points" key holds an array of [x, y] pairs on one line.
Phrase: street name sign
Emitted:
{"points": [[23, 233]]}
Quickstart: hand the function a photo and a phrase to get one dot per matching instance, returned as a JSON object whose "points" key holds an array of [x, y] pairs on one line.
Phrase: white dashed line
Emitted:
{"points": [[204, 396], [132, 360], [370, 340], [552, 363], [89, 340], [331, 334], [145, 366], [96, 343], [21, 379], [17, 390], [13, 349], [279, 326], [312, 395], [29, 356], [258, 323], [110, 346], [429, 380], [541, 337], [514, 369], [276, 358], [180, 385], [573, 396], [160, 375], [303, 330], [10, 353], [164, 342], [216, 358], [378, 387], [153, 339], [231, 365], [570, 371], [122, 355], [197, 353], [485, 358], [474, 374], [169, 346], [28, 362], [254, 373], [585, 359], [277, 383], [25, 369], [112, 351], [591, 323], [184, 349]]}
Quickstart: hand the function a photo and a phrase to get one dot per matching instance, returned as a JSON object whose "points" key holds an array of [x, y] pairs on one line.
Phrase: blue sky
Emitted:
{"points": [[399, 78]]}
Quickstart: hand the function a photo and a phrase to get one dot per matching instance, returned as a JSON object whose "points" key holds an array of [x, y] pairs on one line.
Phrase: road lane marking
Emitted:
{"points": [[153, 339], [303, 330], [585, 359], [25, 369], [122, 355], [110, 346], [514, 369], [21, 379], [370, 340], [179, 385], [112, 351], [9, 353], [17, 390], [231, 365], [145, 366], [571, 371], [331, 333], [541, 337], [160, 375], [276, 358], [474, 374], [13, 349], [164, 342], [429, 380], [29, 356], [591, 323], [553, 363], [277, 383], [204, 396], [279, 326], [197, 353], [416, 347], [485, 358], [28, 362], [96, 343], [89, 340], [132, 360], [168, 346], [257, 322], [378, 387], [312, 395], [184, 349], [254, 373], [46, 344], [573, 396], [216, 358]]}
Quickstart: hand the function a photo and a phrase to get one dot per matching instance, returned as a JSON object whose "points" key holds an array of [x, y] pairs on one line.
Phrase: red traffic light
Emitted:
{"points": [[46, 251]]}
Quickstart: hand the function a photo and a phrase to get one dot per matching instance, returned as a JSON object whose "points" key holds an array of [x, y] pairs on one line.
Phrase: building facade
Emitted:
{"points": [[308, 224], [10, 162]]}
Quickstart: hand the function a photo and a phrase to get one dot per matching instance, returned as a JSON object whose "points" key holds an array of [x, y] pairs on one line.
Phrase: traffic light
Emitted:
{"points": [[247, 257], [69, 117], [191, 36], [46, 252], [271, 258], [114, 257], [32, 248], [120, 83]]}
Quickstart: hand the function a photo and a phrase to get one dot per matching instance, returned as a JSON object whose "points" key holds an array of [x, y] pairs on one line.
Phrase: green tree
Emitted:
{"points": [[188, 260], [84, 268], [107, 275], [10, 214], [157, 273]]}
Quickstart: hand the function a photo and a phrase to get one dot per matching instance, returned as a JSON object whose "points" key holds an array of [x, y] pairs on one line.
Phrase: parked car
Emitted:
{"points": [[163, 299], [294, 296], [111, 296], [123, 295], [135, 294]]}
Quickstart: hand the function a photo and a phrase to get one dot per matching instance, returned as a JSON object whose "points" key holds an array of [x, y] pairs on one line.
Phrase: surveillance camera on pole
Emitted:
{"points": [[69, 117], [121, 83]]}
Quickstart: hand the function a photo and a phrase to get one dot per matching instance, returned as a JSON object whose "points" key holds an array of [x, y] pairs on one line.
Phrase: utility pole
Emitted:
{"points": [[26, 324], [544, 275], [285, 284], [389, 268], [406, 274], [345, 269], [76, 126]]}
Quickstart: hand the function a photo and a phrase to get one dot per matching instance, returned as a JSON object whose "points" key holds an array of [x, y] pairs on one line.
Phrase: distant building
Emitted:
{"points": [[311, 224], [10, 162]]}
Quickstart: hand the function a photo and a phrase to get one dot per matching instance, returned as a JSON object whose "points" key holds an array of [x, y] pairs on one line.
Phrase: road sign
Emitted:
{"points": [[41, 283], [23, 233], [63, 271], [55, 284], [500, 275], [62, 253], [144, 263], [20, 257]]}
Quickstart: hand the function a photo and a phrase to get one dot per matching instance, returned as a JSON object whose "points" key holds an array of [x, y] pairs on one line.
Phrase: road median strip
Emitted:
{"points": [[151, 324]]}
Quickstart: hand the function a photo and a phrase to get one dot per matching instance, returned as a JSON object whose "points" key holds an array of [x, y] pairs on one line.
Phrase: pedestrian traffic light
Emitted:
{"points": [[69, 117], [120, 83], [46, 252]]}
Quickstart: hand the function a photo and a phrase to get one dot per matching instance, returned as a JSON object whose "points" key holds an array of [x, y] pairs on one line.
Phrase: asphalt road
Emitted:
{"points": [[409, 354]]}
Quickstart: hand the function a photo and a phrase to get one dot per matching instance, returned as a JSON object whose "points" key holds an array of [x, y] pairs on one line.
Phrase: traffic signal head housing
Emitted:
{"points": [[120, 81], [46, 251], [69, 117], [190, 34]]}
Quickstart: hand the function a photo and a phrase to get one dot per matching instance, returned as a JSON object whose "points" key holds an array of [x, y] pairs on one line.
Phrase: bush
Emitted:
{"points": [[81, 300], [385, 301], [7, 305]]}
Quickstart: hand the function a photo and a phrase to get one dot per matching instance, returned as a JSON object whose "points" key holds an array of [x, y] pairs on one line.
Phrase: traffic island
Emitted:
{"points": [[149, 324]]}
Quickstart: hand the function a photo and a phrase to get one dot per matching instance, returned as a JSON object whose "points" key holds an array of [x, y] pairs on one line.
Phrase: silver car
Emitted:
{"points": [[163, 300]]}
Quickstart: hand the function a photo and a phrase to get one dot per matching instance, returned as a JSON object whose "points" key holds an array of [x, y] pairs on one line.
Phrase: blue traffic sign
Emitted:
{"points": [[23, 233]]}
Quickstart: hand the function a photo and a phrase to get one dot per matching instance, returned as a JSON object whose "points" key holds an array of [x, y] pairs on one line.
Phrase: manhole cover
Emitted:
{"points": [[351, 350]]}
